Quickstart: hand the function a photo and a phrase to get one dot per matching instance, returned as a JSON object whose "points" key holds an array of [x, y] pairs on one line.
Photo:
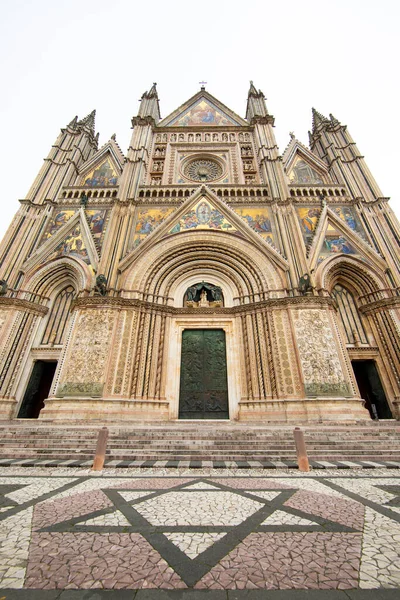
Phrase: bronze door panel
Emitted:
{"points": [[204, 383]]}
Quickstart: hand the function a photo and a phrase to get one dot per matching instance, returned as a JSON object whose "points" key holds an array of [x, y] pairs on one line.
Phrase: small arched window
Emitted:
{"points": [[58, 317], [349, 315]]}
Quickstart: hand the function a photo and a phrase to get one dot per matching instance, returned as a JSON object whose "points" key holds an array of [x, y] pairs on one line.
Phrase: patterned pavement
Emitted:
{"points": [[186, 534]]}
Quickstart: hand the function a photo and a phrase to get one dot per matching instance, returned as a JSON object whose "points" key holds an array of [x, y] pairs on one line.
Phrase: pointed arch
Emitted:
{"points": [[240, 268], [352, 272], [56, 273]]}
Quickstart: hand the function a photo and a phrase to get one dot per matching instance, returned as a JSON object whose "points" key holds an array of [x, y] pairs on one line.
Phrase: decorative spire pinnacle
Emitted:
{"points": [[149, 105], [88, 121], [334, 119], [318, 118], [252, 90], [73, 123], [114, 137], [256, 107], [153, 91]]}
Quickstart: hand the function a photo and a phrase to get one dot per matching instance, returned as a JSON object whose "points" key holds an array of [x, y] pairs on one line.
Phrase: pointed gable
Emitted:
{"points": [[203, 215], [104, 168], [302, 166], [304, 172], [339, 231], [202, 110]]}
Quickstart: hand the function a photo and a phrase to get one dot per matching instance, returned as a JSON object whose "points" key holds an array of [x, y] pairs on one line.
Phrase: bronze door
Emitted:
{"points": [[204, 383]]}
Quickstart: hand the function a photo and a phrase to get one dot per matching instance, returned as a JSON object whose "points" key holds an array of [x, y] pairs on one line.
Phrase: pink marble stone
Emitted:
{"points": [[340, 510], [91, 560], [289, 561]]}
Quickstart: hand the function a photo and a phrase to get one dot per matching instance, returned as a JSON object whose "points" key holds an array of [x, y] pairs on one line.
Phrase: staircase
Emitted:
{"points": [[217, 444]]}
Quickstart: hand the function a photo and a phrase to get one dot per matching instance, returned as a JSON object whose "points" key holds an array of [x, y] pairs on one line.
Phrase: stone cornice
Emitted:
{"points": [[24, 306], [93, 302], [380, 305]]}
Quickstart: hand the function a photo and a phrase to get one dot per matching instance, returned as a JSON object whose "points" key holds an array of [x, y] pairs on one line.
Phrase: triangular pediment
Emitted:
{"points": [[203, 110], [302, 166], [204, 211], [103, 168], [73, 239], [336, 235]]}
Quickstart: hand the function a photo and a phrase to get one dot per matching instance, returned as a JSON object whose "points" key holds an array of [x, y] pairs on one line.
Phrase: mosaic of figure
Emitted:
{"points": [[73, 245], [259, 219], [203, 113], [302, 172], [97, 220], [203, 216], [308, 217], [335, 244], [104, 174], [147, 220], [56, 222], [349, 215]]}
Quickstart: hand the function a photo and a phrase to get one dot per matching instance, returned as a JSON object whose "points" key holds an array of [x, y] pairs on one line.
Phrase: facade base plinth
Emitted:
{"points": [[104, 409], [309, 410], [7, 408]]}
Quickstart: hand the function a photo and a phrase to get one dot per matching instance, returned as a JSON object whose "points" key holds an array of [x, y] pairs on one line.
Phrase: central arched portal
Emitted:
{"points": [[203, 392]]}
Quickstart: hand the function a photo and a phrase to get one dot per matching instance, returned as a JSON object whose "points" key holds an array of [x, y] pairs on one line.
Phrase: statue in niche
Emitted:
{"points": [[3, 287], [216, 293], [84, 200], [101, 285], [191, 293], [203, 299], [204, 294]]}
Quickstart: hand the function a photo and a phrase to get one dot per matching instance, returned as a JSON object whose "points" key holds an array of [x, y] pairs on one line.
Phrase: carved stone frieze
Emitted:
{"points": [[318, 352]]}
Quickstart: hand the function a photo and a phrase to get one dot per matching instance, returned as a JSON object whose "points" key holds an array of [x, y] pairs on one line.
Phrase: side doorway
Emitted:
{"points": [[38, 389], [371, 389]]}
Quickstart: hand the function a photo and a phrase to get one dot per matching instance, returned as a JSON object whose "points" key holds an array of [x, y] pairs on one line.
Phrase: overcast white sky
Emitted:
{"points": [[60, 58]]}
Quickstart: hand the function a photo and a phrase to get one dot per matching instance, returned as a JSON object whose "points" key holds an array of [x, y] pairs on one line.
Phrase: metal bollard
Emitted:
{"points": [[100, 455], [302, 458]]}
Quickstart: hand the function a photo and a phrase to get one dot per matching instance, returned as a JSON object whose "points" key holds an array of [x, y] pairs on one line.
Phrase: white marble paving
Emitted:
{"points": [[114, 519], [380, 560], [15, 533], [279, 517], [198, 508], [193, 544]]}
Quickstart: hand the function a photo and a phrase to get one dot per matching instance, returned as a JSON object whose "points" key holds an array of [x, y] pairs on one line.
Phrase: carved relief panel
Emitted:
{"points": [[319, 354], [87, 356]]}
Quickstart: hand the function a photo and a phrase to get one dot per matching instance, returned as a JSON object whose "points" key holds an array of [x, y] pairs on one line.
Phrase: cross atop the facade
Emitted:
{"points": [[203, 85]]}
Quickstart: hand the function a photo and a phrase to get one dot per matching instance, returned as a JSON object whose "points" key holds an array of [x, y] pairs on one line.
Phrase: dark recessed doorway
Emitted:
{"points": [[38, 389], [371, 389]]}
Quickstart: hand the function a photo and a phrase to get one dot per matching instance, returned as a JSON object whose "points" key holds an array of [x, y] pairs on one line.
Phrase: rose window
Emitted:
{"points": [[203, 170]]}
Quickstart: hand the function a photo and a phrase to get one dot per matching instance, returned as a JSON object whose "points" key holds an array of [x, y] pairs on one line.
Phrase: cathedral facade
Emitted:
{"points": [[201, 276]]}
